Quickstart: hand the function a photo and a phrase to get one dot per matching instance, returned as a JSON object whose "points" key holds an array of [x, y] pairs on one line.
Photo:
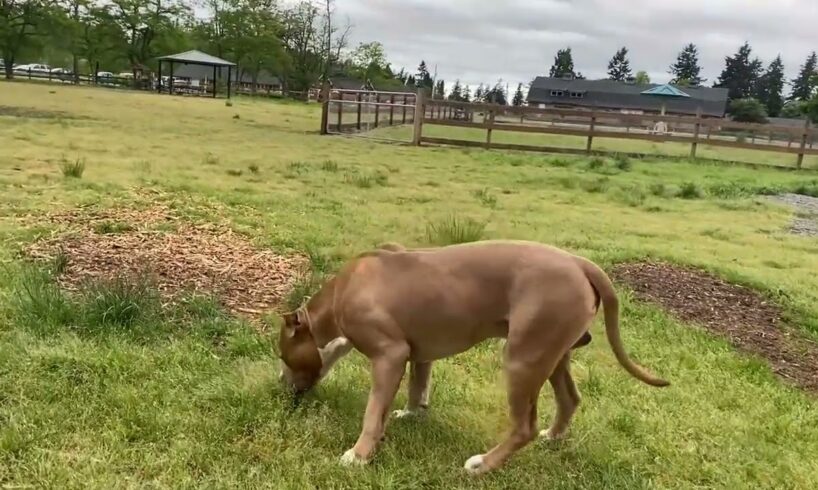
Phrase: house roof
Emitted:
{"points": [[665, 90], [610, 94], [196, 57]]}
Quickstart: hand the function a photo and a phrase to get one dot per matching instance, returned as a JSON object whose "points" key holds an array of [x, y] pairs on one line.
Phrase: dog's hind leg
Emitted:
{"points": [[566, 396], [420, 376]]}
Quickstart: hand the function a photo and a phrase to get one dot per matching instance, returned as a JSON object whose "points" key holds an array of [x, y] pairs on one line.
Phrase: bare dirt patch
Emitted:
{"points": [[179, 256], [748, 320]]}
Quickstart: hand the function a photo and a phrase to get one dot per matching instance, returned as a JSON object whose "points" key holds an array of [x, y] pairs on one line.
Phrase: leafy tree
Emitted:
{"points": [[519, 98], [302, 38], [803, 87], [619, 68], [793, 109], [770, 89], [563, 64], [810, 108], [368, 62], [687, 66], [19, 23], [496, 95], [642, 78], [748, 110], [741, 74]]}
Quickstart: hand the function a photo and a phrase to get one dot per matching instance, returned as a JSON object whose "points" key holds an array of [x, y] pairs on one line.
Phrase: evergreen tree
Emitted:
{"points": [[457, 92], [467, 94], [496, 95], [519, 98], [410, 81], [741, 74], [478, 94], [687, 67], [440, 90], [804, 86], [619, 68], [770, 89], [423, 79], [563, 64]]}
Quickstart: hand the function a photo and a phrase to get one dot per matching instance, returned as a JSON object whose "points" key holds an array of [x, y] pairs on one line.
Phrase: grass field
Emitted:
{"points": [[189, 397]]}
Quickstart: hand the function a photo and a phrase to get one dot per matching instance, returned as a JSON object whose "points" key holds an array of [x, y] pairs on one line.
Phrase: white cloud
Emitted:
{"points": [[481, 41]]}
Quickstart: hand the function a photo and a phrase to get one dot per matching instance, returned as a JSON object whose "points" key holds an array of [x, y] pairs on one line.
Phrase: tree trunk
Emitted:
{"points": [[8, 68]]}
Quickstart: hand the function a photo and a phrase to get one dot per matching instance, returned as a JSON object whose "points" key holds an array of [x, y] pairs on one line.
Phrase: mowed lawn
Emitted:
{"points": [[190, 398]]}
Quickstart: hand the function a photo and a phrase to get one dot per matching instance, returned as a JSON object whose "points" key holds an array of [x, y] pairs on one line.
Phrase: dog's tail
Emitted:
{"points": [[604, 288]]}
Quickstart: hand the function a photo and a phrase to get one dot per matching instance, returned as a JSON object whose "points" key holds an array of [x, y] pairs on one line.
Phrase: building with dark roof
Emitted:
{"points": [[626, 97], [240, 79]]}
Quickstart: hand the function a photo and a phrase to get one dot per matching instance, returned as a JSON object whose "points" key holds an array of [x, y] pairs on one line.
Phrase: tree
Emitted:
{"points": [[456, 94], [142, 22], [496, 94], [748, 110], [478, 94], [19, 20], [687, 66], [563, 64], [423, 79], [440, 90], [793, 109], [810, 109], [741, 74], [642, 78], [519, 98], [619, 68], [770, 88], [467, 94], [368, 62], [303, 41], [804, 86]]}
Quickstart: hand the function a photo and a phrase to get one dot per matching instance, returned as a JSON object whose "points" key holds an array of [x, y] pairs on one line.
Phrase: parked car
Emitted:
{"points": [[33, 68]]}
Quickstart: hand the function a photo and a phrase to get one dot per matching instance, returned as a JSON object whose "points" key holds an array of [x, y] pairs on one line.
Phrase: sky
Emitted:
{"points": [[480, 41]]}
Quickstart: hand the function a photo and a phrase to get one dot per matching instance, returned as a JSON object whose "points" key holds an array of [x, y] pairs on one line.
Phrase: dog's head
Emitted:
{"points": [[303, 363]]}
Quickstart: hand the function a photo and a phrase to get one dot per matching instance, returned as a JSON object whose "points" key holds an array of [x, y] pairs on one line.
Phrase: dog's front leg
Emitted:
{"points": [[420, 376], [387, 371]]}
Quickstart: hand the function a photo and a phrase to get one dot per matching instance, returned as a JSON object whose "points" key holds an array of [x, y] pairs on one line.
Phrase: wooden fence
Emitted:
{"points": [[591, 124], [351, 111]]}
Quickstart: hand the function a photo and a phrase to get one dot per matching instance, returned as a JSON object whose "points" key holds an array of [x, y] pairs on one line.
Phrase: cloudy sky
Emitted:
{"points": [[480, 41]]}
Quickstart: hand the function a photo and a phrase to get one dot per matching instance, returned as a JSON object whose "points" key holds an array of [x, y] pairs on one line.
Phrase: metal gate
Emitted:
{"points": [[367, 112]]}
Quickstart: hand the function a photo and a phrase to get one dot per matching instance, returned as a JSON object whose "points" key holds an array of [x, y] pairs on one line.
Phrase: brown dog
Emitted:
{"points": [[397, 306]]}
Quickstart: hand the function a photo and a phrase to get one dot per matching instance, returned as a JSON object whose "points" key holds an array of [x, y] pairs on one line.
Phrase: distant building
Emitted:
{"points": [[627, 97], [242, 81]]}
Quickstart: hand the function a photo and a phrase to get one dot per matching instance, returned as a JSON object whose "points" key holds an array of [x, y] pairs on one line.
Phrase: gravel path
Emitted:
{"points": [[806, 223]]}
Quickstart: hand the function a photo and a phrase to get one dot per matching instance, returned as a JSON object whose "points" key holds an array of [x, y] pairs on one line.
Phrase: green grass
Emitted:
{"points": [[103, 388], [73, 169]]}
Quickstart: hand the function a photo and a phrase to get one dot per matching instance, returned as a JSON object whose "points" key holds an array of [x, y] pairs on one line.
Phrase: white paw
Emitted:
{"points": [[349, 458], [548, 434], [474, 465], [399, 414]]}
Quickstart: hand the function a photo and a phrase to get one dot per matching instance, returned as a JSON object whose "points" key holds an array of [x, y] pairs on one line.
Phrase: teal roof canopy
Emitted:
{"points": [[666, 90]]}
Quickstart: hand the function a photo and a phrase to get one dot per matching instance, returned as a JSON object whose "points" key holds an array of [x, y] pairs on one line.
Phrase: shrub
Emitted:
{"points": [[253, 168], [658, 189], [622, 162], [73, 169], [689, 190], [485, 197], [453, 230], [748, 110], [596, 163], [119, 302], [595, 186], [38, 301]]}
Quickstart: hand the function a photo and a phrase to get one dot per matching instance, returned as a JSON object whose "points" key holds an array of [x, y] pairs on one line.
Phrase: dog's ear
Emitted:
{"points": [[294, 322]]}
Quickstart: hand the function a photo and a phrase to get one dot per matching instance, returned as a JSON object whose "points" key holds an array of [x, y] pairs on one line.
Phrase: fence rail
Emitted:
{"points": [[358, 111], [591, 124]]}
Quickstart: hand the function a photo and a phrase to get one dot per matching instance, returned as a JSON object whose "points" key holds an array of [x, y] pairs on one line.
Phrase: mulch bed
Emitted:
{"points": [[178, 256], [748, 320]]}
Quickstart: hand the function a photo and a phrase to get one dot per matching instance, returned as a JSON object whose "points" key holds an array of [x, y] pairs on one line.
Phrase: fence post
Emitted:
{"points": [[800, 161], [392, 110], [695, 144], [340, 110], [405, 101], [489, 126], [590, 135], [325, 94], [420, 114], [358, 100], [377, 108]]}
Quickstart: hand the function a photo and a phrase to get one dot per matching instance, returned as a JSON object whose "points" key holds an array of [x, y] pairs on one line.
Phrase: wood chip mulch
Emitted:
{"points": [[744, 317], [205, 259]]}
